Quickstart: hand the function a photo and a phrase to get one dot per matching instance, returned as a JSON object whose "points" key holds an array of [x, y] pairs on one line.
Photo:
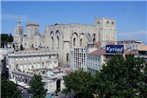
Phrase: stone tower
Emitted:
{"points": [[33, 35], [105, 30]]}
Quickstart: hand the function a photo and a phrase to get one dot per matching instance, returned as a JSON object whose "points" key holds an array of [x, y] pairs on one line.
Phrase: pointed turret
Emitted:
{"points": [[19, 28], [19, 22], [18, 37]]}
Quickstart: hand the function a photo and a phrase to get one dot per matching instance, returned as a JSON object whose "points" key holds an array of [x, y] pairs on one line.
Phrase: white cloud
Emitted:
{"points": [[7, 17], [137, 35]]}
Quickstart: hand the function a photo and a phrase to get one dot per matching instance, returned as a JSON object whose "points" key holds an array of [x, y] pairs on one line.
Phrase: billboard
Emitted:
{"points": [[115, 49]]}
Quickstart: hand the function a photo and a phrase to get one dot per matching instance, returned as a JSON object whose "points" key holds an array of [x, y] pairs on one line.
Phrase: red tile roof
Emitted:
{"points": [[98, 52]]}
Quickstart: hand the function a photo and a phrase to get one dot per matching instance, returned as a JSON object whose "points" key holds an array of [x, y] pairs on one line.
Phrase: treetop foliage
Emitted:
{"points": [[9, 89], [119, 78], [37, 87], [6, 38]]}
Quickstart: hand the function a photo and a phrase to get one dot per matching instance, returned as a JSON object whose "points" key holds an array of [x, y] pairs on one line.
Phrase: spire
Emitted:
{"points": [[18, 28], [18, 20]]}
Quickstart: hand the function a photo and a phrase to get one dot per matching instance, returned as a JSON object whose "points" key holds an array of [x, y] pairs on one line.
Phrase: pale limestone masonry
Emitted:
{"points": [[63, 37]]}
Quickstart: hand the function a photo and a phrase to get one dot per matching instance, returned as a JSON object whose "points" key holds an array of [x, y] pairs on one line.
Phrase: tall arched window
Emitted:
{"points": [[112, 23], [81, 38], [67, 57], [51, 34], [52, 41], [93, 37], [74, 42], [98, 22], [107, 24], [57, 34], [58, 41], [81, 42]]}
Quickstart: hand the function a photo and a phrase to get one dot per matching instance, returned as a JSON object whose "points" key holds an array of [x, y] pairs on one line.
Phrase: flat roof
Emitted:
{"points": [[32, 24], [138, 41]]}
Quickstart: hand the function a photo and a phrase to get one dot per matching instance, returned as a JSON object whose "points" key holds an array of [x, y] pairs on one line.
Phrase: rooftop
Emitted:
{"points": [[32, 24], [98, 52], [72, 24], [138, 41], [142, 48]]}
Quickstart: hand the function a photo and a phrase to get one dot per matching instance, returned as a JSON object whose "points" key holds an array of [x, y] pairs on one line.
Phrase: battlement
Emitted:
{"points": [[32, 24]]}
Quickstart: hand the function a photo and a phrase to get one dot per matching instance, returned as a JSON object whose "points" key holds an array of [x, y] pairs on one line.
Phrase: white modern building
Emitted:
{"points": [[78, 58], [95, 60]]}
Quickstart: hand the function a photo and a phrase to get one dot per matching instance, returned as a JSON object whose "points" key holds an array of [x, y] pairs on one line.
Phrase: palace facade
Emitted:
{"points": [[64, 37]]}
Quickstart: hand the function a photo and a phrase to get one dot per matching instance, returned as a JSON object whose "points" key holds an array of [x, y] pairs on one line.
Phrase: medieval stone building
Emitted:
{"points": [[63, 37]]}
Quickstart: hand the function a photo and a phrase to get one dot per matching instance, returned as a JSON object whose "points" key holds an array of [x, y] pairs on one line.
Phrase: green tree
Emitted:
{"points": [[37, 87], [5, 38], [9, 89], [122, 78], [10, 38], [79, 82]]}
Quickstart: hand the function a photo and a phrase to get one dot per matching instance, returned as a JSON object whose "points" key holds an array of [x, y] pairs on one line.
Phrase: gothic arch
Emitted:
{"points": [[57, 37], [58, 41], [74, 39], [51, 33], [112, 23], [57, 32], [52, 41], [81, 39], [98, 22], [82, 34], [74, 34], [93, 37], [52, 38], [89, 34]]}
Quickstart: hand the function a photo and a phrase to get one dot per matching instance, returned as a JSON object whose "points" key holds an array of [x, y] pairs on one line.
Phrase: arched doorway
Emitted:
{"points": [[25, 80], [58, 85]]}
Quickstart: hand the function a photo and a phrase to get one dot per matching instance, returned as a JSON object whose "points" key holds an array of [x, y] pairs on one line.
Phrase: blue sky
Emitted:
{"points": [[131, 17]]}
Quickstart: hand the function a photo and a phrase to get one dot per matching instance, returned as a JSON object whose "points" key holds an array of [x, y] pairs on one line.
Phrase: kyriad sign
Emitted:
{"points": [[115, 49]]}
